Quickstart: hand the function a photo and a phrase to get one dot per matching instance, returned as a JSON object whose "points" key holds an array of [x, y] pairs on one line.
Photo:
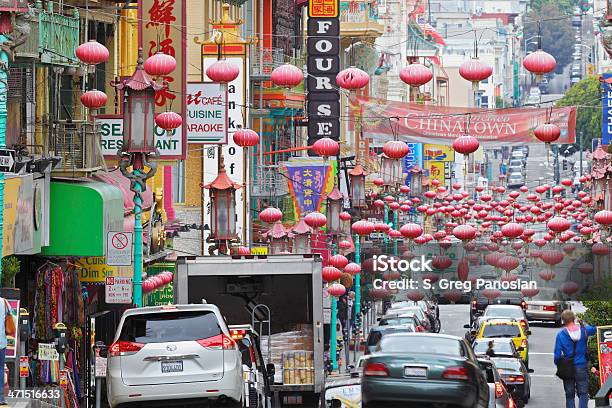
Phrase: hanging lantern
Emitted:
{"points": [[336, 289], [315, 219], [326, 147], [92, 53], [352, 268], [603, 217], [357, 187], [475, 70], [363, 227], [465, 144], [416, 74], [464, 232], [287, 76], [94, 99], [558, 224], [388, 170], [222, 71], [244, 137], [344, 245], [331, 273], [339, 261], [547, 132], [352, 78], [539, 63], [160, 64], [394, 149], [270, 215], [512, 230], [168, 120], [411, 230], [335, 201]]}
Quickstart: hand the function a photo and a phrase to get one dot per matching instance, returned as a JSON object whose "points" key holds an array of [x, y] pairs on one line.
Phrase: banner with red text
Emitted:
{"points": [[417, 123], [162, 27]]}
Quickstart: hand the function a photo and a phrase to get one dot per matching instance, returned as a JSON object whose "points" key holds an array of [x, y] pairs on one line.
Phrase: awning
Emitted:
{"points": [[117, 179], [428, 30]]}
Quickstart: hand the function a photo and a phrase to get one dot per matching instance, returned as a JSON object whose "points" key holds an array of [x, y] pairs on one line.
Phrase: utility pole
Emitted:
{"points": [[580, 147]]}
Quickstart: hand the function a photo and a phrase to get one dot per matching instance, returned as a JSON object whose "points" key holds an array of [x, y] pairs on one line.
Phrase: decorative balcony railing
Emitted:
{"points": [[361, 11], [58, 35]]}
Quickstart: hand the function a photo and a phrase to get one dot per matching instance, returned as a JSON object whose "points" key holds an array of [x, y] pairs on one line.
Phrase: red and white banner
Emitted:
{"points": [[417, 123]]}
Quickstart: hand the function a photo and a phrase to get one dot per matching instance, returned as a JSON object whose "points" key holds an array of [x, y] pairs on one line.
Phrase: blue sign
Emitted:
{"points": [[412, 159], [606, 118]]}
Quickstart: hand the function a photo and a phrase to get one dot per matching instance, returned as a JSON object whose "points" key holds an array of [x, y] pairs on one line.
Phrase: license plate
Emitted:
{"points": [[536, 307], [172, 366], [415, 372]]}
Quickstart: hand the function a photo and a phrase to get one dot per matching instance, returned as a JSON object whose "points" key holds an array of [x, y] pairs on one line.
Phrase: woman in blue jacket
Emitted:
{"points": [[578, 335]]}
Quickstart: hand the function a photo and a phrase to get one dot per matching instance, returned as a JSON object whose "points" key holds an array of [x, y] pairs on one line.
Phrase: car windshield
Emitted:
{"points": [[507, 364], [511, 312], [375, 336], [170, 327], [501, 330], [414, 309], [397, 321], [420, 345], [504, 347]]}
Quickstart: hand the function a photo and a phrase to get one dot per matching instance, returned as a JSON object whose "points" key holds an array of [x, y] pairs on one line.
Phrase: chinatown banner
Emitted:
{"points": [[308, 184], [604, 351], [162, 27], [442, 124]]}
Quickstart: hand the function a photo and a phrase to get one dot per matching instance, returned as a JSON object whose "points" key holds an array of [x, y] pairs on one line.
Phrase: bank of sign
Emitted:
{"points": [[207, 119], [606, 130], [169, 144]]}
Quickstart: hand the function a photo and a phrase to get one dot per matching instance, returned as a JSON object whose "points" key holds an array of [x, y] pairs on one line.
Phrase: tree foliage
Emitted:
{"points": [[585, 94], [556, 30], [566, 6]]}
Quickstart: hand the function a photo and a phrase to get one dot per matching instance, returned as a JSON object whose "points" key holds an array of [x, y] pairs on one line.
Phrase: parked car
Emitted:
{"points": [[517, 170], [502, 347], [500, 397], [507, 297], [516, 163], [516, 377], [507, 311], [172, 353], [506, 328], [416, 310], [515, 180], [546, 310], [341, 392], [403, 319], [377, 333], [423, 368]]}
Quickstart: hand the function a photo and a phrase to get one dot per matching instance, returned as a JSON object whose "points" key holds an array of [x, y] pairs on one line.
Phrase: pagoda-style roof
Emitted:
{"points": [[301, 228], [222, 182], [140, 80], [358, 170], [601, 154], [277, 231], [335, 194]]}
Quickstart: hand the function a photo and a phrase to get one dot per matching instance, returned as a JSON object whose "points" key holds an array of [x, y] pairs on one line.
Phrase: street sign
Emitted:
{"points": [[63, 379], [7, 160], [119, 248], [118, 290], [47, 352], [24, 367], [259, 251]]}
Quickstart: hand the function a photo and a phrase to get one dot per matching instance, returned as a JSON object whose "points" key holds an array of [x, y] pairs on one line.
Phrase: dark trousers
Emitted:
{"points": [[577, 385]]}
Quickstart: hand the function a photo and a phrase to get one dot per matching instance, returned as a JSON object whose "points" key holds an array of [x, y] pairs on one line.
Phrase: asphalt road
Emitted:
{"points": [[546, 388]]}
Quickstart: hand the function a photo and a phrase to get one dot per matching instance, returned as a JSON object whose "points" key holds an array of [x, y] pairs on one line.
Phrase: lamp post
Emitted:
{"points": [[138, 150], [335, 201]]}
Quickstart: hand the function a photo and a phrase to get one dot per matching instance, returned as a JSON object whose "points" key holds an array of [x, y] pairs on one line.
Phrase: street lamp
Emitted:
{"points": [[416, 180], [137, 150], [357, 176], [335, 202], [223, 208]]}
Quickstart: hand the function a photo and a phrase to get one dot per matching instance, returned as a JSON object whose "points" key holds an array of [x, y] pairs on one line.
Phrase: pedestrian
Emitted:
{"points": [[6, 329], [343, 312], [571, 350], [490, 349]]}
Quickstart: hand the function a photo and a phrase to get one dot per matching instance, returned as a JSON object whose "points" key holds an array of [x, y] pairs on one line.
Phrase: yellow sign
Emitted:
{"points": [[259, 251], [11, 198], [436, 170], [94, 269], [440, 153], [323, 8]]}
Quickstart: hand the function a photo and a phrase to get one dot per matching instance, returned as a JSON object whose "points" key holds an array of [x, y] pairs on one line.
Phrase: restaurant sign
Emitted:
{"points": [[207, 120]]}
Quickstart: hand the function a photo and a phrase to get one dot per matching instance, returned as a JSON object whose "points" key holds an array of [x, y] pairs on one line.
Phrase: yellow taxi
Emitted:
{"points": [[507, 328]]}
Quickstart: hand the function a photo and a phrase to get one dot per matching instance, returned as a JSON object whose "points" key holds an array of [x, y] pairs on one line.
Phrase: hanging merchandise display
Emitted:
{"points": [[58, 298]]}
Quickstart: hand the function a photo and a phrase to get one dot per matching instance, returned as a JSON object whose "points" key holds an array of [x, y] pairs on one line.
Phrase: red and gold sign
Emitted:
{"points": [[323, 8]]}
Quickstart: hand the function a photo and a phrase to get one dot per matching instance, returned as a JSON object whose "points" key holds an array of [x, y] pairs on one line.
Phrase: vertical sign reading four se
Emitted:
{"points": [[119, 248], [323, 66]]}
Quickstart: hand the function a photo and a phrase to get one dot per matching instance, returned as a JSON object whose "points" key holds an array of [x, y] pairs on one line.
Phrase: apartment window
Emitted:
{"points": [[484, 101]]}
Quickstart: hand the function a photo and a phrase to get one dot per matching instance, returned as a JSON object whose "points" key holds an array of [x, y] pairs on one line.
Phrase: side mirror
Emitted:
{"points": [[350, 367], [520, 349], [336, 403], [473, 332], [528, 332], [270, 369], [466, 326], [530, 370], [378, 320]]}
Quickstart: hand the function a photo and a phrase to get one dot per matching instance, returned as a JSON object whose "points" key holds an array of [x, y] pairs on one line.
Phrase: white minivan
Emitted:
{"points": [[175, 352]]}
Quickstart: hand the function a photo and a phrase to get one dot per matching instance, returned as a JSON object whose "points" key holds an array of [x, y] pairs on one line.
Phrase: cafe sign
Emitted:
{"points": [[207, 119]]}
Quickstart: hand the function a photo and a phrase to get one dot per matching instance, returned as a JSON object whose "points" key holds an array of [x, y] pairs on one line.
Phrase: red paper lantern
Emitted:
{"points": [[570, 288], [222, 71], [411, 231], [326, 147], [363, 227], [585, 268], [394, 149], [379, 181], [547, 133], [415, 295], [491, 293], [547, 275], [344, 244], [512, 230], [475, 70], [551, 256], [160, 64], [270, 215], [352, 268], [352, 78], [558, 224], [530, 292], [331, 273], [600, 249], [566, 182], [508, 263], [441, 262], [168, 120], [463, 269], [465, 144], [416, 74], [339, 261], [453, 295], [344, 216], [464, 232], [246, 137], [94, 99], [287, 76], [92, 53], [603, 217], [539, 62], [315, 219], [336, 289]]}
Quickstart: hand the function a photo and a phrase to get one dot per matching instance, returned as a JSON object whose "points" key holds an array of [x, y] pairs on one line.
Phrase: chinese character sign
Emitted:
{"points": [[162, 28], [307, 184], [323, 8]]}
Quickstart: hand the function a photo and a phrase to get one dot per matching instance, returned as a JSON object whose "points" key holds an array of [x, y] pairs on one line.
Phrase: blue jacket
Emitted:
{"points": [[564, 345]]}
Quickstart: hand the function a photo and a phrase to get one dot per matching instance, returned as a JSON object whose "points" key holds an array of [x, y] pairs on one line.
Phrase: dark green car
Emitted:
{"points": [[423, 370]]}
